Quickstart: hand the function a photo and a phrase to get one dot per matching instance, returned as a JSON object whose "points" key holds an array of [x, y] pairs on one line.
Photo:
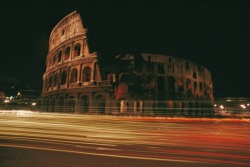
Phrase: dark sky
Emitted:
{"points": [[214, 34]]}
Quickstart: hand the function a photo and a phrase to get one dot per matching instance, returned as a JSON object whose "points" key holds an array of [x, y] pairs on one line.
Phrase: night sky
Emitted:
{"points": [[214, 34]]}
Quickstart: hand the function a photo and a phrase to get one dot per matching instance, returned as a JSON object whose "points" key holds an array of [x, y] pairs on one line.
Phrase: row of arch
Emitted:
{"points": [[71, 104], [195, 75], [62, 77], [182, 86], [65, 54], [170, 84], [99, 104], [89, 104], [196, 89]]}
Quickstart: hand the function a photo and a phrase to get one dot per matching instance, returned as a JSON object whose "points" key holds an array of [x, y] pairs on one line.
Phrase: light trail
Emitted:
{"points": [[208, 141]]}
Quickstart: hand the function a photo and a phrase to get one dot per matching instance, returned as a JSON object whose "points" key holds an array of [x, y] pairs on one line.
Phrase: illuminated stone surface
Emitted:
{"points": [[78, 81]]}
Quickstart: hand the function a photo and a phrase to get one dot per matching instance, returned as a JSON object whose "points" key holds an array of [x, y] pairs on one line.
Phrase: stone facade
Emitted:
{"points": [[140, 83]]}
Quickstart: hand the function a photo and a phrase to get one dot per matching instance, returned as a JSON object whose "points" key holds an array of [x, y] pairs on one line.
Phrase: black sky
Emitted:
{"points": [[214, 34]]}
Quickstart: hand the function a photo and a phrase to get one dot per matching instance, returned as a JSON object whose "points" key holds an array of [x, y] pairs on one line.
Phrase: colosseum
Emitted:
{"points": [[77, 81]]}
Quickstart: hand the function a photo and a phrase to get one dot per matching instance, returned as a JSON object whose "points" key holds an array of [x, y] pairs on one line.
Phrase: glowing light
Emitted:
{"points": [[215, 105], [6, 101], [243, 106], [221, 107], [33, 104]]}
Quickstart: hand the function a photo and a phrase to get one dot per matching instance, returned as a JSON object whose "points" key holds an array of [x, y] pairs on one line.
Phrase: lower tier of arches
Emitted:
{"points": [[105, 103]]}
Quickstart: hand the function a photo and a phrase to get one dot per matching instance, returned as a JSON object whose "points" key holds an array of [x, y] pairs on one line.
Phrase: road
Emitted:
{"points": [[66, 140]]}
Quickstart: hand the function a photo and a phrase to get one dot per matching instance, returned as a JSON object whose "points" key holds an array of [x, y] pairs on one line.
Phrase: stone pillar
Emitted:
{"points": [[77, 104], [92, 105], [56, 104]]}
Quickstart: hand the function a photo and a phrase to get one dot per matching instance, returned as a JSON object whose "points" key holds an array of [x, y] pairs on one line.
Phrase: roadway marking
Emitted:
{"points": [[97, 154]]}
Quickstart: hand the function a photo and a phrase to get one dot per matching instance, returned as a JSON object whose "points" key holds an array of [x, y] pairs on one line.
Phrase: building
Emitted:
{"points": [[78, 81]]}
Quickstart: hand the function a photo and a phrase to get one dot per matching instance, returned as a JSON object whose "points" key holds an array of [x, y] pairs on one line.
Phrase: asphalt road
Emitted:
{"points": [[29, 139]]}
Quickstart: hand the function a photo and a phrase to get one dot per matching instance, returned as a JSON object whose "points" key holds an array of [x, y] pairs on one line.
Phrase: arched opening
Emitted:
{"points": [[202, 109], [100, 102], [52, 105], [84, 104], [170, 104], [50, 81], [201, 88], [56, 79], [189, 88], [194, 75], [181, 107], [63, 77], [60, 104], [196, 92], [67, 53], [86, 74], [180, 88], [59, 59], [77, 50], [197, 109], [171, 86], [73, 76], [161, 88], [190, 109], [170, 108], [70, 104]]}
